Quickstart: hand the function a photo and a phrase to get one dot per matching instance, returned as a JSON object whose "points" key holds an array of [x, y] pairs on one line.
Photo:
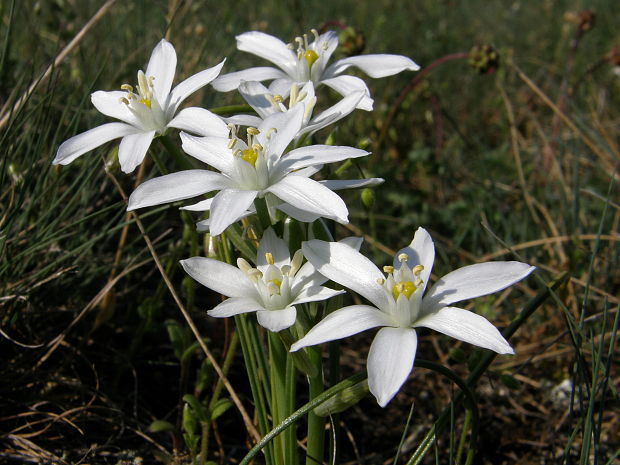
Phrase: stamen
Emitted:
{"points": [[315, 33], [243, 265], [286, 269], [403, 257], [255, 274], [293, 97], [388, 269], [253, 131], [298, 257], [416, 270], [123, 100], [232, 143], [278, 98], [269, 258], [257, 147], [381, 281], [127, 87], [270, 132]]}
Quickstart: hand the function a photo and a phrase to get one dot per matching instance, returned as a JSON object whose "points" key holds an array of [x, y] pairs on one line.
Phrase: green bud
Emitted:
{"points": [[111, 160], [343, 400], [368, 198]]}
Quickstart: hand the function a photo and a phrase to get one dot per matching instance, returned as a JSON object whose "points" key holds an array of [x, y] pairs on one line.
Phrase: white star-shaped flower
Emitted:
{"points": [[399, 305], [308, 62], [146, 111], [258, 168], [272, 289]]}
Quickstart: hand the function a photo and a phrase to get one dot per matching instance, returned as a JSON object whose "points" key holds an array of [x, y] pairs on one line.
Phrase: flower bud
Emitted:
{"points": [[343, 400], [368, 198]]}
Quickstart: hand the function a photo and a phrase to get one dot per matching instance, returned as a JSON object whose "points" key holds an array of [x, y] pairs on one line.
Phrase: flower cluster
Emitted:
{"points": [[263, 160]]}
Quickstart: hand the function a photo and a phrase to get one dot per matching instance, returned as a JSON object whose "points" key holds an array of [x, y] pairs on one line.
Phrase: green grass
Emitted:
{"points": [[451, 158]]}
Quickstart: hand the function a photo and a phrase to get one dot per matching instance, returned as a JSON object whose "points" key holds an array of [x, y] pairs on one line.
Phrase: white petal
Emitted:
{"points": [[109, 104], [268, 47], [346, 266], [324, 47], [281, 86], [219, 276], [213, 151], [235, 306], [343, 323], [286, 126], [376, 66], [466, 326], [161, 66], [78, 145], [175, 186], [315, 294], [244, 120], [317, 154], [255, 94], [311, 196], [202, 206], [132, 150], [298, 214], [274, 245], [277, 320], [390, 361], [346, 85], [421, 251], [340, 184], [334, 113], [200, 121], [228, 206], [474, 281], [231, 81], [185, 88]]}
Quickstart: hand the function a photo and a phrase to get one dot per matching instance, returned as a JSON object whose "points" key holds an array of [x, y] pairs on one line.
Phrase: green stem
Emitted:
{"points": [[316, 424], [232, 109], [291, 419]]}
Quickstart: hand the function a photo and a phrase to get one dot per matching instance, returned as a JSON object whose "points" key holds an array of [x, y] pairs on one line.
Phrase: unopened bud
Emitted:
{"points": [[343, 400], [368, 198]]}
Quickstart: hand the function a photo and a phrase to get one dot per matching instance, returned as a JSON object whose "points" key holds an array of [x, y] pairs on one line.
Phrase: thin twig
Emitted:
{"points": [[6, 111], [233, 395]]}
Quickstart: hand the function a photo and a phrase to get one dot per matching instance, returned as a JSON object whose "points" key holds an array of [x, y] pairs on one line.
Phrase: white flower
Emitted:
{"points": [[255, 169], [146, 112], [309, 63], [272, 289], [399, 306], [265, 104]]}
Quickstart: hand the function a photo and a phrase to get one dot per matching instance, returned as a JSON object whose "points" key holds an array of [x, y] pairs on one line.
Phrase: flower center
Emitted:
{"points": [[403, 281], [404, 287], [308, 52], [144, 89], [249, 155]]}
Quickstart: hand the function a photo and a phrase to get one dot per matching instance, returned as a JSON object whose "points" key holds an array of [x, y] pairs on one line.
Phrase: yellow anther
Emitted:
{"points": [[257, 147], [315, 33], [403, 257], [388, 269], [252, 131], [123, 100], [405, 287], [278, 99], [127, 87], [249, 155], [311, 56], [270, 132], [232, 143], [254, 274], [416, 270], [269, 258], [381, 281]]}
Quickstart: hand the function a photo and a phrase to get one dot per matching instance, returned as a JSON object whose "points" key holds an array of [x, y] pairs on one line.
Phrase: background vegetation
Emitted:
{"points": [[518, 158]]}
